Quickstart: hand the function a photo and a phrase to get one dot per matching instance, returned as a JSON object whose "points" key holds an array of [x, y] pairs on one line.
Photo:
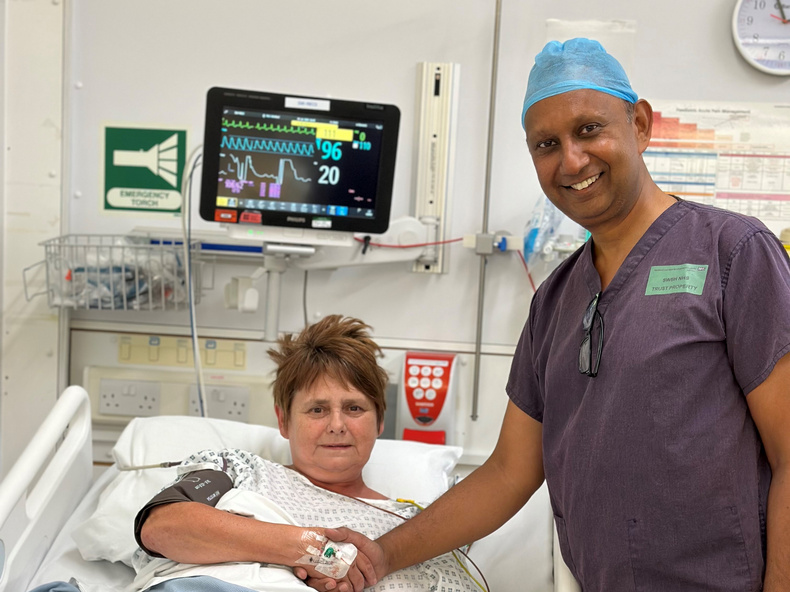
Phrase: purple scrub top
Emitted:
{"points": [[656, 472]]}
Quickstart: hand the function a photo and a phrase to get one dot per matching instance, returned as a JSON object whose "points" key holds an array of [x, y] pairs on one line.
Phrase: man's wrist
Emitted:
{"points": [[386, 565]]}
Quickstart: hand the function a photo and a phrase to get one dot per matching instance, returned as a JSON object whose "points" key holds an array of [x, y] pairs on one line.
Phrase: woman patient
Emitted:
{"points": [[259, 519]]}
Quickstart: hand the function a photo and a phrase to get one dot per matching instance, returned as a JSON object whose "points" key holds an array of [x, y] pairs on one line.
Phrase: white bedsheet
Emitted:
{"points": [[63, 561]]}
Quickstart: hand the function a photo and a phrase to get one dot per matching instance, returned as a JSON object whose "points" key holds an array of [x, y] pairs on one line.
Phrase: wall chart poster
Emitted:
{"points": [[734, 156]]}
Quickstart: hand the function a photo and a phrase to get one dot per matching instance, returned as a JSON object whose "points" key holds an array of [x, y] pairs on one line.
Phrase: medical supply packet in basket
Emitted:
{"points": [[111, 272]]}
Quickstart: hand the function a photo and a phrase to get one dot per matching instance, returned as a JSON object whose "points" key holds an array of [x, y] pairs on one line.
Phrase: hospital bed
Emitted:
{"points": [[58, 522]]}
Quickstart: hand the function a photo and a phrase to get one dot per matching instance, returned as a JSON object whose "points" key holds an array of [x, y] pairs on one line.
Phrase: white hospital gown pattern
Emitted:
{"points": [[309, 506]]}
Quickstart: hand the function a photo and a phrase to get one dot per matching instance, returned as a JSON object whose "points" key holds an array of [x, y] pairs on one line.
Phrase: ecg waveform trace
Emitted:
{"points": [[266, 145], [269, 127]]}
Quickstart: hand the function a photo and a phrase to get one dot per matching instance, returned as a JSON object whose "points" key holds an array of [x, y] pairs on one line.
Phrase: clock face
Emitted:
{"points": [[761, 29]]}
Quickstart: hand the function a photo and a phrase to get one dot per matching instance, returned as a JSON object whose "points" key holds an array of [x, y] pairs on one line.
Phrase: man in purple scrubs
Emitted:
{"points": [[651, 383]]}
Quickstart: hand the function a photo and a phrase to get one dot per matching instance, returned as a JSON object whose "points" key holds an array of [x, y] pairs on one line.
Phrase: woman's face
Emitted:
{"points": [[331, 430]]}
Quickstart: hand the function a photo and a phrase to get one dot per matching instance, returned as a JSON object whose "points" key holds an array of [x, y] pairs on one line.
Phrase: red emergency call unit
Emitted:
{"points": [[426, 401]]}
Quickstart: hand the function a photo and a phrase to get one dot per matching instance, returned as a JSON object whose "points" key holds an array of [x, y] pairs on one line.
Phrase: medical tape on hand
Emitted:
{"points": [[328, 557], [312, 544]]}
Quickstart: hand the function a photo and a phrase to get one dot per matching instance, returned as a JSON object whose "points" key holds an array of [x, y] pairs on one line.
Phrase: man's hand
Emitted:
{"points": [[370, 565]]}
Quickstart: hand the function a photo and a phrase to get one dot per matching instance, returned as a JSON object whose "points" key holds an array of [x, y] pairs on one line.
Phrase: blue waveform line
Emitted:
{"points": [[252, 144], [242, 168]]}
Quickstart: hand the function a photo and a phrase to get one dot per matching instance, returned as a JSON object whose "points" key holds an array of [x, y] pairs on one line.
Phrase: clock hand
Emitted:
{"points": [[782, 11]]}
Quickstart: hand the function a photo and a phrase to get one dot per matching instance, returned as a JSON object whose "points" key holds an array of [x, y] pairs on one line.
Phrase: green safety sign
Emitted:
{"points": [[143, 168]]}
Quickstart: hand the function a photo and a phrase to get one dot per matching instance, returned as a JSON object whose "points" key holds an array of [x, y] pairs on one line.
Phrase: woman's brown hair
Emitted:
{"points": [[336, 347]]}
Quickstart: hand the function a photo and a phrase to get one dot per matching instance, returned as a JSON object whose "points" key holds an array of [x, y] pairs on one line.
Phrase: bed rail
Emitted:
{"points": [[43, 487]]}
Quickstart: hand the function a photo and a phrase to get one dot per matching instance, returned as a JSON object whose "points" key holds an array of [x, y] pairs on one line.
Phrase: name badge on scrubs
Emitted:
{"points": [[674, 279]]}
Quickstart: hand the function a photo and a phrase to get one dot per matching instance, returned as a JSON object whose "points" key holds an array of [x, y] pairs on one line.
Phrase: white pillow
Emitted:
{"points": [[396, 468]]}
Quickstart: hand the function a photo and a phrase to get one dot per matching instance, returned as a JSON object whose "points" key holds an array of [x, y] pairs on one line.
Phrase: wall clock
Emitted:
{"points": [[761, 30]]}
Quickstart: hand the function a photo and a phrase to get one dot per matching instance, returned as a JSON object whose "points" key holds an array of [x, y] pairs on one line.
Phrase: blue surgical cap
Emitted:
{"points": [[573, 65]]}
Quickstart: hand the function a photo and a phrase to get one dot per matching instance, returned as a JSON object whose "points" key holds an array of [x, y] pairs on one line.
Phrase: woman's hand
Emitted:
{"points": [[368, 568], [309, 547]]}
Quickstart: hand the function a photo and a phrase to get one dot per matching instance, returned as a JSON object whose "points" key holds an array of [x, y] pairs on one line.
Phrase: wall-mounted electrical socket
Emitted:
{"points": [[224, 401], [129, 397]]}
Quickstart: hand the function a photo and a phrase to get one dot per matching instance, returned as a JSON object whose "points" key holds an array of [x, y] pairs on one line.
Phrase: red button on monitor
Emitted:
{"points": [[225, 215], [251, 217]]}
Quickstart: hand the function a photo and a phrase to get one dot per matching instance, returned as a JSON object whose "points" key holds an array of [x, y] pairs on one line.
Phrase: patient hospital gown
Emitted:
{"points": [[273, 493]]}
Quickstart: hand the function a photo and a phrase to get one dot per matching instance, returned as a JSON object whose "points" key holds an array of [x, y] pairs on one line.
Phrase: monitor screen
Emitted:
{"points": [[298, 162]]}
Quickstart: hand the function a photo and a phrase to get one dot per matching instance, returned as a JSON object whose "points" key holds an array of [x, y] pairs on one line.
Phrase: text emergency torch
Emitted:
{"points": [[426, 398]]}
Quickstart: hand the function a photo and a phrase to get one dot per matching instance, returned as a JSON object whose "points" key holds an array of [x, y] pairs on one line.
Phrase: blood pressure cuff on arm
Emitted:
{"points": [[206, 487]]}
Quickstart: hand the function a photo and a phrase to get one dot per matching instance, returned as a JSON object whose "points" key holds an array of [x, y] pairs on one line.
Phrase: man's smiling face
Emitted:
{"points": [[587, 151]]}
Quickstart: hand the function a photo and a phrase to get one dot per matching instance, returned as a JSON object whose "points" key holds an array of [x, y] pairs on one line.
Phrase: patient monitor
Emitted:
{"points": [[294, 169], [300, 176]]}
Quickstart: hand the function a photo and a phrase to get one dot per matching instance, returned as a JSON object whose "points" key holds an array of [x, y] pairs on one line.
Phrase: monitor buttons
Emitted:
{"points": [[230, 216], [251, 218]]}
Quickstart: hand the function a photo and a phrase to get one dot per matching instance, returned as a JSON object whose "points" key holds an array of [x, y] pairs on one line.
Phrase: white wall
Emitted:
{"points": [[149, 62], [352, 49], [33, 67], [139, 74], [3, 9]]}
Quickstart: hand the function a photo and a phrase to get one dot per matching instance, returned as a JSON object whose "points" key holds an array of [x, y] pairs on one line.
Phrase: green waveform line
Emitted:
{"points": [[269, 127]]}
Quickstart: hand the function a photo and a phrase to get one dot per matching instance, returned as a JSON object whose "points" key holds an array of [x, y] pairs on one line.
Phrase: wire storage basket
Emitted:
{"points": [[118, 272]]}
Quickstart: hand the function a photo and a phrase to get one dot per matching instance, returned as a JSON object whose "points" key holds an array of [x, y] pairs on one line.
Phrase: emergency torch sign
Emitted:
{"points": [[143, 169]]}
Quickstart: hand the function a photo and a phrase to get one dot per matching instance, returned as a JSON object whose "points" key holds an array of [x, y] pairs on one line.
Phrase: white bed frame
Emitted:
{"points": [[43, 487]]}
